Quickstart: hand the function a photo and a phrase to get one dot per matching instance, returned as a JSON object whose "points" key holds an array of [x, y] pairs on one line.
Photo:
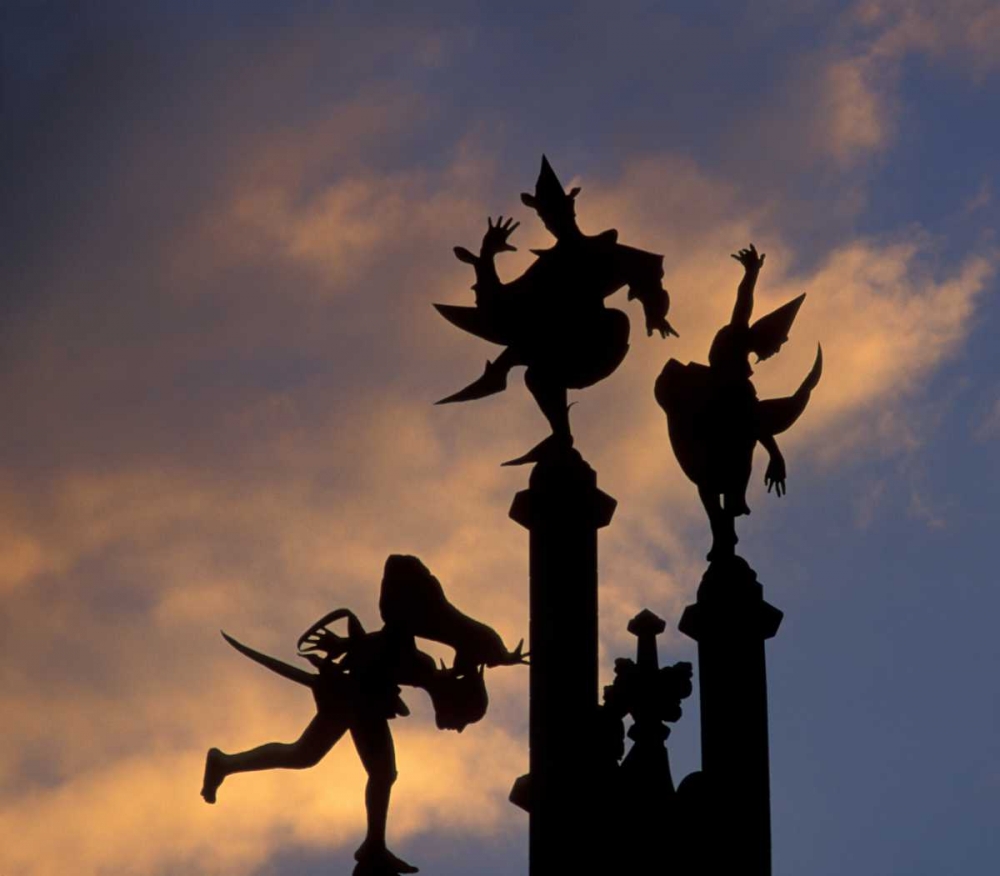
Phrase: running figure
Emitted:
{"points": [[356, 690]]}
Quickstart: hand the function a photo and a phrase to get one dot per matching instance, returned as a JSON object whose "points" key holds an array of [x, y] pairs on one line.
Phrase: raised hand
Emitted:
{"points": [[495, 238], [750, 259]]}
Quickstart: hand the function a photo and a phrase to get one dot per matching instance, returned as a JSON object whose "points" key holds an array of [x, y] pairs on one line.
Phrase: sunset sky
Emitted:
{"points": [[224, 226]]}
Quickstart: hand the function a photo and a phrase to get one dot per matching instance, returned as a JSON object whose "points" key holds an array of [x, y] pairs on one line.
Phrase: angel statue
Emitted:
{"points": [[715, 418], [356, 689], [552, 318]]}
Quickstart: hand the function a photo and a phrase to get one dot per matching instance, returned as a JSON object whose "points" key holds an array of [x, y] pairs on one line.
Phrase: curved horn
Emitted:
{"points": [[812, 379], [775, 415]]}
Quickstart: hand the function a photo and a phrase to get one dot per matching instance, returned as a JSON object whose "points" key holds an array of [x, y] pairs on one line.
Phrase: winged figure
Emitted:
{"points": [[357, 689], [552, 318], [714, 417]]}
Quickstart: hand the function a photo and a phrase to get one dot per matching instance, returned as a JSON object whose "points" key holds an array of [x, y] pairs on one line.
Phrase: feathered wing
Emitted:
{"points": [[769, 332], [775, 415]]}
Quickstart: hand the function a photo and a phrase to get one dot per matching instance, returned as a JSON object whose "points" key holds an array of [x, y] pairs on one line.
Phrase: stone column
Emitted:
{"points": [[730, 621], [562, 509]]}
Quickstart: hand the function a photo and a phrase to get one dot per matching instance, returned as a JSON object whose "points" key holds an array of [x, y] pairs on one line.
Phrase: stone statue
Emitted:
{"points": [[715, 418], [552, 318], [357, 689]]}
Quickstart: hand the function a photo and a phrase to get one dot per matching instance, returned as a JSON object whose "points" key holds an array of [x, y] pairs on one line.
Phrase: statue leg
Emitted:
{"points": [[373, 740], [723, 525], [735, 502], [551, 398], [308, 750]]}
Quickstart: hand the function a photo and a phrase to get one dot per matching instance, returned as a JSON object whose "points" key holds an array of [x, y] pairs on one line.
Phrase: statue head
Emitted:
{"points": [[459, 699], [554, 206]]}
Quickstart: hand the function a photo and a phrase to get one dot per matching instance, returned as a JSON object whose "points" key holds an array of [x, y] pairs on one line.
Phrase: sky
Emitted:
{"points": [[225, 225]]}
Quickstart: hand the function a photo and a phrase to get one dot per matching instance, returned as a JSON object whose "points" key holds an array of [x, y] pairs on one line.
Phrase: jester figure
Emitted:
{"points": [[552, 318], [715, 418], [356, 689]]}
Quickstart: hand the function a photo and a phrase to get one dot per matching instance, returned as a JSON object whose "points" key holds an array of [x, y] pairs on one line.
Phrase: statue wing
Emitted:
{"points": [[769, 332]]}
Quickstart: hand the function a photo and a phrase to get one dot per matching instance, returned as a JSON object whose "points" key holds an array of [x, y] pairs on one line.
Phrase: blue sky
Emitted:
{"points": [[226, 225]]}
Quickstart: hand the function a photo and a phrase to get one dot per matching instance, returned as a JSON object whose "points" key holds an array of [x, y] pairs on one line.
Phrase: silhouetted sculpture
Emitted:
{"points": [[552, 318], [356, 689], [639, 796], [563, 510], [715, 418], [730, 797], [633, 798]]}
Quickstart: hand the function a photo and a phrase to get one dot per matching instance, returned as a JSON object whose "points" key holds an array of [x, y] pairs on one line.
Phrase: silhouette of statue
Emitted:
{"points": [[357, 690], [552, 318], [715, 418], [639, 795]]}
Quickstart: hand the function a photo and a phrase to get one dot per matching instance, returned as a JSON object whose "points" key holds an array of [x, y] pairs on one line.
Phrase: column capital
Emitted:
{"points": [[730, 602], [561, 486]]}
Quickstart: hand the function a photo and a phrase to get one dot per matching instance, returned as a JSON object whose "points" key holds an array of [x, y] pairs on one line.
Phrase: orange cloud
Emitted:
{"points": [[266, 505]]}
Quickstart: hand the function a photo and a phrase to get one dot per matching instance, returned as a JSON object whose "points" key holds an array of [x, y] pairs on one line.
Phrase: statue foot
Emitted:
{"points": [[214, 775], [379, 861], [550, 447], [493, 380]]}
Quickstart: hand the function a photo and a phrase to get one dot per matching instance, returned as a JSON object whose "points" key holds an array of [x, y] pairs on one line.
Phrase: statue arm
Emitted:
{"points": [[655, 304], [494, 241], [752, 263], [645, 283], [775, 474], [417, 670]]}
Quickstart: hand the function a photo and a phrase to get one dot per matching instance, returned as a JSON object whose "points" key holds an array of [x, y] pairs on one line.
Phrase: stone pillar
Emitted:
{"points": [[562, 509], [730, 621]]}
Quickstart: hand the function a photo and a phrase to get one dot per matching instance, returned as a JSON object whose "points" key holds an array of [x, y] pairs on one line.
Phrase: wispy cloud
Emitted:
{"points": [[224, 419]]}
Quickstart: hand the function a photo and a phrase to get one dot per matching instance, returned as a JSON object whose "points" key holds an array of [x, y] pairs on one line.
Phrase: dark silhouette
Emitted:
{"points": [[356, 689], [552, 318], [715, 418], [633, 800], [639, 798], [724, 811], [562, 509]]}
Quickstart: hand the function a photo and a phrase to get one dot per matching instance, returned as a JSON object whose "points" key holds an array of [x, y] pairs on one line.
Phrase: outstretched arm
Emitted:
{"points": [[775, 474], [417, 669], [752, 263], [644, 271], [494, 241]]}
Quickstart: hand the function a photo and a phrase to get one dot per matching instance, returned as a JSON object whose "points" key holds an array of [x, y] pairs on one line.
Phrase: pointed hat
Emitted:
{"points": [[549, 192], [769, 332]]}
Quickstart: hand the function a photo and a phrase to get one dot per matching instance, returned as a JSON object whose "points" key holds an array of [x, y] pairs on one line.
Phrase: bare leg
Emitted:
{"points": [[308, 750], [373, 740], [735, 503], [551, 399], [722, 523]]}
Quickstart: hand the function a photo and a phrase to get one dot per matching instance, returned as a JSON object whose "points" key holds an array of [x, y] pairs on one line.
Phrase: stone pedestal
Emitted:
{"points": [[562, 509], [730, 622]]}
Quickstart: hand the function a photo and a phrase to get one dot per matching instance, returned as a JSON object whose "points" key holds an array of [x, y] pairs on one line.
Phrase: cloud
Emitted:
{"points": [[859, 105], [305, 489], [224, 419]]}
